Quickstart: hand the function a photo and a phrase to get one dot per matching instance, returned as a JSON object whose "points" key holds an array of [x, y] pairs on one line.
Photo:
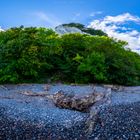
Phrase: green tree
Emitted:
{"points": [[93, 68], [36, 54]]}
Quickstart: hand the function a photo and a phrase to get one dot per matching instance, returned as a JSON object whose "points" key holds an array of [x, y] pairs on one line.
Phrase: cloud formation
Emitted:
{"points": [[76, 16], [95, 13], [115, 27], [47, 19]]}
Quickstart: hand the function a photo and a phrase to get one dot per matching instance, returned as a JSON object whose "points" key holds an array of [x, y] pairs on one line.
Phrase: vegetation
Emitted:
{"points": [[36, 54]]}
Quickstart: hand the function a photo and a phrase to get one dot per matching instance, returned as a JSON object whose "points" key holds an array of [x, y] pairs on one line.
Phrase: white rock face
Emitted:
{"points": [[66, 30]]}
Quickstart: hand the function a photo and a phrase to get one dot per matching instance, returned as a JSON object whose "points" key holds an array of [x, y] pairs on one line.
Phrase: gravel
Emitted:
{"points": [[121, 122], [24, 117], [26, 122]]}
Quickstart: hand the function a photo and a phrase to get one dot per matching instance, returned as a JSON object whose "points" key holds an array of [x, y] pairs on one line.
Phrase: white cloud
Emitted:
{"points": [[47, 19], [76, 16], [95, 13], [122, 18], [115, 27]]}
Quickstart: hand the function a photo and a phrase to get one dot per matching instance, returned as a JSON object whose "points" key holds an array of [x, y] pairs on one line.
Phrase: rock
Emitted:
{"points": [[66, 30], [79, 102]]}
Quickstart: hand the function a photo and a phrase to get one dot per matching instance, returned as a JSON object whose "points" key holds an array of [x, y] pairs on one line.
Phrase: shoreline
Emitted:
{"points": [[35, 117]]}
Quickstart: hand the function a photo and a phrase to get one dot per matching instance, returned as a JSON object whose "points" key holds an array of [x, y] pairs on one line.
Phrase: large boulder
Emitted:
{"points": [[78, 28], [67, 30]]}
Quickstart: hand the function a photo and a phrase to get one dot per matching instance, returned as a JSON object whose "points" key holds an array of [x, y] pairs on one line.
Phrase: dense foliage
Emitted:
{"points": [[38, 54]]}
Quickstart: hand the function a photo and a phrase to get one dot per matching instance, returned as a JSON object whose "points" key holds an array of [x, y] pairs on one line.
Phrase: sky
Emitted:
{"points": [[118, 18]]}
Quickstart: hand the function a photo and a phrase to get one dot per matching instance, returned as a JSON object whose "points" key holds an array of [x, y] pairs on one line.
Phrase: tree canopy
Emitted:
{"points": [[38, 54]]}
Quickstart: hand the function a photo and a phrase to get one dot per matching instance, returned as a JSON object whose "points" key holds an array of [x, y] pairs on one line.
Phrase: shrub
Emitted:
{"points": [[36, 54], [93, 67]]}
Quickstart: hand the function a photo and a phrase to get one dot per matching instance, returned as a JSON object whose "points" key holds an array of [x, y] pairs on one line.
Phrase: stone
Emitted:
{"points": [[67, 30]]}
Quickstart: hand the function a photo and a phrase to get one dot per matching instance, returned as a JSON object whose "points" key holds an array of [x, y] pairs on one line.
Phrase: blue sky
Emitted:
{"points": [[24, 12], [118, 18]]}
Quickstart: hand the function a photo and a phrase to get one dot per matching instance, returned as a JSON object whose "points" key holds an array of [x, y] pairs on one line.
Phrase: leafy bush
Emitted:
{"points": [[26, 54], [36, 54], [93, 67]]}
